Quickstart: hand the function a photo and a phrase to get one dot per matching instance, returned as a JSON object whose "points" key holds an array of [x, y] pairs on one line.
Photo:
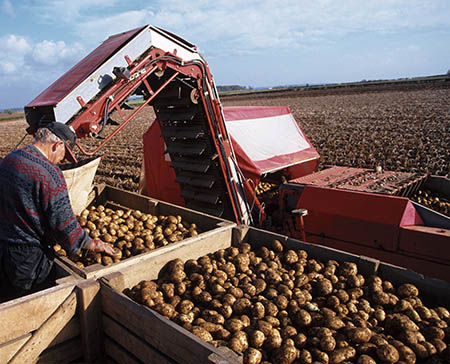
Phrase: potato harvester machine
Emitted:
{"points": [[213, 159]]}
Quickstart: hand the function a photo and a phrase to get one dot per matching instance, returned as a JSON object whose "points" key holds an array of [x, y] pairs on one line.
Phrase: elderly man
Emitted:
{"points": [[35, 211]]}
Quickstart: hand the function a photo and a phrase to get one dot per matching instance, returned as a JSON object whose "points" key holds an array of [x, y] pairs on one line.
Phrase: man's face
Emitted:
{"points": [[57, 152]]}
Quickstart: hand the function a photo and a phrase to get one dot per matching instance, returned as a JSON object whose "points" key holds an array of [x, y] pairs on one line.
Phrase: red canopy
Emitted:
{"points": [[267, 139]]}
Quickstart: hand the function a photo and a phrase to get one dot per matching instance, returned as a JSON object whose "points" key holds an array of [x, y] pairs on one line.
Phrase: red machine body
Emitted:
{"points": [[211, 159], [390, 228]]}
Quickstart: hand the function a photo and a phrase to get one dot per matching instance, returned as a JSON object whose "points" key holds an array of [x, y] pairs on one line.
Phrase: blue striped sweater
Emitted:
{"points": [[35, 212]]}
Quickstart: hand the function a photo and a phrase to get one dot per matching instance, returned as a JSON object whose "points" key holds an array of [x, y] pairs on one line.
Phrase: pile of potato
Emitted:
{"points": [[433, 201], [130, 232], [263, 187], [278, 306]]}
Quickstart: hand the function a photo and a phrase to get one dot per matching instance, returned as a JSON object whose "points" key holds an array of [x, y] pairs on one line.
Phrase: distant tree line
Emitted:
{"points": [[233, 88]]}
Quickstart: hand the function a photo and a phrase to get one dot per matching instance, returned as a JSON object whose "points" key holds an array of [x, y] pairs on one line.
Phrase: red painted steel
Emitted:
{"points": [[127, 120], [363, 218], [159, 176], [425, 241]]}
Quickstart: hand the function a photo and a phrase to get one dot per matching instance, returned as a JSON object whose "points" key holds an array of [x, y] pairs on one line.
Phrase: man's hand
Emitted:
{"points": [[98, 246]]}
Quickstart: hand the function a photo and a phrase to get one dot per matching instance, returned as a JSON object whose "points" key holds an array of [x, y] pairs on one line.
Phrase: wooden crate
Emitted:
{"points": [[209, 225], [55, 325], [136, 334]]}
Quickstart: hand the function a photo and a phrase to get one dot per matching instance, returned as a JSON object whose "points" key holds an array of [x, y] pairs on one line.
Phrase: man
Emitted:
{"points": [[35, 211]]}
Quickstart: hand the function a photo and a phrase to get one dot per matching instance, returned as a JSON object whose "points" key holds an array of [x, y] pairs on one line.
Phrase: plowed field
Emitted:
{"points": [[398, 129]]}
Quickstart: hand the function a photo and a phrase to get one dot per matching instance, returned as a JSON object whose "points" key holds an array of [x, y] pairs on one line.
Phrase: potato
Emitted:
{"points": [[183, 319], [319, 356], [323, 287], [387, 353], [258, 310], [276, 246], [243, 339], [359, 335], [252, 356], [273, 340], [305, 357], [286, 354], [288, 331], [106, 260], [341, 355], [234, 325], [202, 333], [327, 343], [407, 354], [226, 311], [290, 257], [302, 318], [334, 323], [265, 327], [184, 306], [241, 305], [365, 359], [165, 309], [367, 349]]}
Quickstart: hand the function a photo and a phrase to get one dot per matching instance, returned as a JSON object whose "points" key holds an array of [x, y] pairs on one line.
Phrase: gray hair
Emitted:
{"points": [[45, 136]]}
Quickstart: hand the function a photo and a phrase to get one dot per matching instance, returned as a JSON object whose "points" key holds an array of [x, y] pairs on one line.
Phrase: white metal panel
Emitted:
{"points": [[169, 45], [265, 138]]}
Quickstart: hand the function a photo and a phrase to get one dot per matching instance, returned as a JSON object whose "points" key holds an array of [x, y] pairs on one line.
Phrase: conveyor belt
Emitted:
{"points": [[187, 136], [366, 180]]}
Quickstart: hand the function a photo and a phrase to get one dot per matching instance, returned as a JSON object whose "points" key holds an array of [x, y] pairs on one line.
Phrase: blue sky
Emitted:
{"points": [[250, 43]]}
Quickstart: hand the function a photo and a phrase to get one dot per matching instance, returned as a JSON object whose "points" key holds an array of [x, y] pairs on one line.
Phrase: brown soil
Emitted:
{"points": [[398, 129]]}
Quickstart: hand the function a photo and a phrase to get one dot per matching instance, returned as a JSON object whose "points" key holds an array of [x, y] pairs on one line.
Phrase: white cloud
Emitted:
{"points": [[267, 24], [8, 8], [98, 29], [50, 52], [16, 45], [25, 61], [8, 67]]}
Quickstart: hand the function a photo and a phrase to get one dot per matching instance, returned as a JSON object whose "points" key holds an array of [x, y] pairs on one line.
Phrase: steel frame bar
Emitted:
{"points": [[126, 121]]}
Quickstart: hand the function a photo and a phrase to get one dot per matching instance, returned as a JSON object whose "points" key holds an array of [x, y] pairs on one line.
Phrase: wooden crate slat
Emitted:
{"points": [[159, 332], [66, 352], [8, 349], [42, 337], [30, 311], [127, 339], [117, 353], [70, 331]]}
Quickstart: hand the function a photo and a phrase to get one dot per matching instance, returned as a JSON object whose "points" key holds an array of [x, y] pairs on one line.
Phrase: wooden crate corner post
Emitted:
{"points": [[90, 319]]}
